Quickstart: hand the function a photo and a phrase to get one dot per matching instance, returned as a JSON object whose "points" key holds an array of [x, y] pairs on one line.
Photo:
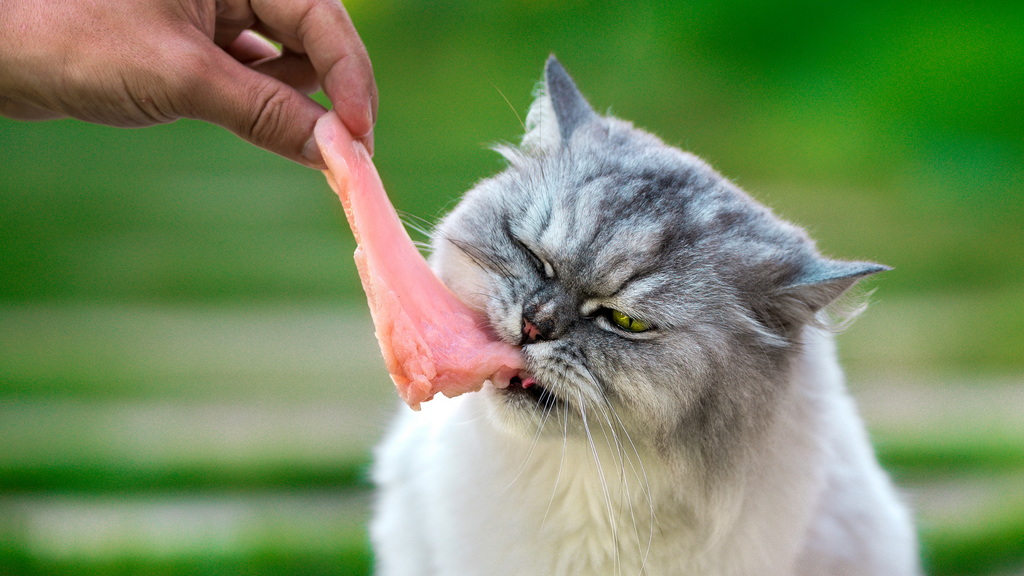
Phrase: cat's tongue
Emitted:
{"points": [[430, 340]]}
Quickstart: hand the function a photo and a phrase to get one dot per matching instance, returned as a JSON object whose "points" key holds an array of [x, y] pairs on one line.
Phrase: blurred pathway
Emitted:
{"points": [[225, 394]]}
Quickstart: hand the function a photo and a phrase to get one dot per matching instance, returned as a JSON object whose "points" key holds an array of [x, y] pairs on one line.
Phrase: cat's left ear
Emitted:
{"points": [[558, 110], [818, 284]]}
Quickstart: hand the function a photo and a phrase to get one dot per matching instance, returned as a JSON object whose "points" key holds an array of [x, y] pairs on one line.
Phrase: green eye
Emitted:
{"points": [[627, 323]]}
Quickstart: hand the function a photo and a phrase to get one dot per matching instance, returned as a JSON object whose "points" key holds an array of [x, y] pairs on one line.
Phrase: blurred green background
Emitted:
{"points": [[188, 380]]}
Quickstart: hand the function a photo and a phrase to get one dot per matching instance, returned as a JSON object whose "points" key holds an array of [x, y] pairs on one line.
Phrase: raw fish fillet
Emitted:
{"points": [[430, 340]]}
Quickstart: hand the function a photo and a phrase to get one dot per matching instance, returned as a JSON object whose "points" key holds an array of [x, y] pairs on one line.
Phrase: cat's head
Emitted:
{"points": [[647, 290]]}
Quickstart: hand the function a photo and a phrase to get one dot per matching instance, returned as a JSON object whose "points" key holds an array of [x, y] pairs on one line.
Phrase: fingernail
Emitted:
{"points": [[368, 142], [368, 137], [311, 152]]}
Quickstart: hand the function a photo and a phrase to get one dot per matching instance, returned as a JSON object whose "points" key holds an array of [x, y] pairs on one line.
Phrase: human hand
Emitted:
{"points": [[147, 62]]}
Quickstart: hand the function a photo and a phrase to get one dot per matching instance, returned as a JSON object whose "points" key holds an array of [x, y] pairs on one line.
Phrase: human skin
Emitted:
{"points": [[147, 62]]}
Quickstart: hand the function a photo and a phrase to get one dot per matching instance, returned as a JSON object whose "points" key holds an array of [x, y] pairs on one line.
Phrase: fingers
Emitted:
{"points": [[250, 47], [323, 30], [260, 108], [257, 91], [262, 56], [23, 111], [292, 69]]}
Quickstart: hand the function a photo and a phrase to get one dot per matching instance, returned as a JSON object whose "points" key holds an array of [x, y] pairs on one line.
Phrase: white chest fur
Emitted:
{"points": [[459, 496]]}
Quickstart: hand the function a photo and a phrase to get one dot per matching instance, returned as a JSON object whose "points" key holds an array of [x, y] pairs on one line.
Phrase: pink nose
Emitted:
{"points": [[530, 332]]}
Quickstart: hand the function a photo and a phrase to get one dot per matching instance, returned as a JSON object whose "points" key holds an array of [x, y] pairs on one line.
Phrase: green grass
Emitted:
{"points": [[124, 478], [353, 559], [993, 548], [985, 538]]}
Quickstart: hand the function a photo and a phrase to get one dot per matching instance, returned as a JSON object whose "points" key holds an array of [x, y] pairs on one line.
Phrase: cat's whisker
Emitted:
{"points": [[481, 258], [514, 111], [478, 414], [612, 520], [414, 221], [479, 290], [606, 409], [533, 445], [424, 246], [561, 463], [591, 397], [645, 487], [615, 451]]}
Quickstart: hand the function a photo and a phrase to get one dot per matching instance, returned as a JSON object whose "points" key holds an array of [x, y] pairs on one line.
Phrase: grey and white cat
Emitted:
{"points": [[689, 415]]}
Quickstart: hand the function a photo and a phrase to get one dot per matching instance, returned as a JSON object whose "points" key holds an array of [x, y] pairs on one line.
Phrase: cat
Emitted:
{"points": [[684, 411]]}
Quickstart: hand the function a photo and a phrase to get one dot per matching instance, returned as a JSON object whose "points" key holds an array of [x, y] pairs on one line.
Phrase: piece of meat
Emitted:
{"points": [[430, 340]]}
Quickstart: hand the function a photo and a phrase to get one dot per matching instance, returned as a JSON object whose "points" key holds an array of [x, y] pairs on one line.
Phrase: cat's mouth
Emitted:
{"points": [[524, 387]]}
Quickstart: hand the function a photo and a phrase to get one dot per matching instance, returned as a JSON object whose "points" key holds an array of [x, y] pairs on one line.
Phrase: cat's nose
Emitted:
{"points": [[540, 321], [530, 332]]}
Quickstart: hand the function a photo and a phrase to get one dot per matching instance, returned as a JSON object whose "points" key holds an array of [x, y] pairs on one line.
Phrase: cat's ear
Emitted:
{"points": [[557, 111], [819, 283]]}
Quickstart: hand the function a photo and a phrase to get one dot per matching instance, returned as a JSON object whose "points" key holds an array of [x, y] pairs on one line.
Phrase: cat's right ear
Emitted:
{"points": [[819, 284], [557, 111]]}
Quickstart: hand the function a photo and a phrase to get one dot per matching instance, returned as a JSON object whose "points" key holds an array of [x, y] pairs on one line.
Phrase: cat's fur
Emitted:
{"points": [[719, 442]]}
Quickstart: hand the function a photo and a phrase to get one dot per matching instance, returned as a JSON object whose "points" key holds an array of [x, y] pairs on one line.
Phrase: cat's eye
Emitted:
{"points": [[628, 323], [542, 265], [549, 270]]}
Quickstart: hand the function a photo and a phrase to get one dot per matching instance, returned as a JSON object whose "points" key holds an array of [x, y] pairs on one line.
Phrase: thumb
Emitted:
{"points": [[257, 107]]}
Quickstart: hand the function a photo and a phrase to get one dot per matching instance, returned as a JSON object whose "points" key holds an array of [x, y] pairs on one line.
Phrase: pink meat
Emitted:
{"points": [[430, 340]]}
